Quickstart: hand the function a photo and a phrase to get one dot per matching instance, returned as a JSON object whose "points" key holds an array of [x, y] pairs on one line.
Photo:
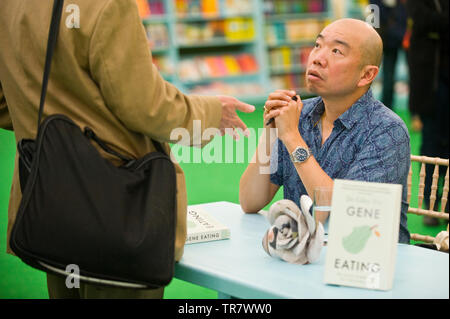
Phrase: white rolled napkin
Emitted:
{"points": [[294, 235]]}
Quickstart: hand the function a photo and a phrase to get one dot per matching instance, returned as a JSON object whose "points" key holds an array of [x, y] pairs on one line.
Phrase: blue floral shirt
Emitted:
{"points": [[369, 143]]}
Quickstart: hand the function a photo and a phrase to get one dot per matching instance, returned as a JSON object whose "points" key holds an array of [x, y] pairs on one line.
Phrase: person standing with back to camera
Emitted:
{"points": [[344, 131], [103, 77]]}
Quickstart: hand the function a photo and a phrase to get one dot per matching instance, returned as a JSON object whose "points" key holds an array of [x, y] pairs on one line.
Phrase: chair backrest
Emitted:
{"points": [[437, 162]]}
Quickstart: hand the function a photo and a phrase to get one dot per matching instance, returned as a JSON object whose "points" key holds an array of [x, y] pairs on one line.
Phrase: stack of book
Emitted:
{"points": [[207, 67], [226, 30]]}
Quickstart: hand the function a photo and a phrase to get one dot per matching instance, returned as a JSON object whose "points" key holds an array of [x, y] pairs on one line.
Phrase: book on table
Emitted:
{"points": [[363, 234], [202, 227]]}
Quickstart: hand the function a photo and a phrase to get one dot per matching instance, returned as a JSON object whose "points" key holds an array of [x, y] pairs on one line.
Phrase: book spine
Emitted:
{"points": [[144, 8], [209, 7], [207, 236], [394, 239]]}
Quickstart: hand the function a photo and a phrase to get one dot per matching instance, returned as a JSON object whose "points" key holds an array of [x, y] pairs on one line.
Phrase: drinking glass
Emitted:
{"points": [[322, 206]]}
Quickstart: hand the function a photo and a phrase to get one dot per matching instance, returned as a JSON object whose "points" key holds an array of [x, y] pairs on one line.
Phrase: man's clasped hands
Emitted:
{"points": [[285, 112]]}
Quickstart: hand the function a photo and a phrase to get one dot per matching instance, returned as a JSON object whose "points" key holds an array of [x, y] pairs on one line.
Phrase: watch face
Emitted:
{"points": [[301, 154]]}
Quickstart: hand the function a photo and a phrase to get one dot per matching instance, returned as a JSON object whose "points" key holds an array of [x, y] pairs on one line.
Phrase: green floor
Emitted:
{"points": [[206, 183]]}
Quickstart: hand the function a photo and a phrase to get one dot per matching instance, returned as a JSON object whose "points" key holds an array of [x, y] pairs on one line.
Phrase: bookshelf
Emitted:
{"points": [[290, 31], [244, 48]]}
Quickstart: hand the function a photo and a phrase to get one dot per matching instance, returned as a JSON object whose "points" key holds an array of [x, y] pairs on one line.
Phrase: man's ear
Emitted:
{"points": [[368, 74]]}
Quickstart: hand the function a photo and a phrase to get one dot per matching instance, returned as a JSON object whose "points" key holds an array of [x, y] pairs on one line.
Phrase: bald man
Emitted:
{"points": [[342, 133]]}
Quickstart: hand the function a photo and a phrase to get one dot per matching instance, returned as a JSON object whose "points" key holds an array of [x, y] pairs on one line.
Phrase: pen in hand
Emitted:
{"points": [[272, 119]]}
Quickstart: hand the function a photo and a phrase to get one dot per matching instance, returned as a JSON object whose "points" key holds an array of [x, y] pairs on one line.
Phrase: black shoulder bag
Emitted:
{"points": [[116, 224]]}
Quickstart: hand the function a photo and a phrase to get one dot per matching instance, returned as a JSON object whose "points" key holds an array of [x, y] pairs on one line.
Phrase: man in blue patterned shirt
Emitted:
{"points": [[343, 133]]}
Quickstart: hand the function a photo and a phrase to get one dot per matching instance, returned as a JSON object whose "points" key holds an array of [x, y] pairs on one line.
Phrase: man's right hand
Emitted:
{"points": [[275, 102], [230, 119]]}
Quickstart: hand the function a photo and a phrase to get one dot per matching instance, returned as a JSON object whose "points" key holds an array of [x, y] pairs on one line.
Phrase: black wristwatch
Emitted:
{"points": [[300, 154]]}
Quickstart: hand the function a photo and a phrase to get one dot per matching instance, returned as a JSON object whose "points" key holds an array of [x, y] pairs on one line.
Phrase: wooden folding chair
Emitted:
{"points": [[437, 162]]}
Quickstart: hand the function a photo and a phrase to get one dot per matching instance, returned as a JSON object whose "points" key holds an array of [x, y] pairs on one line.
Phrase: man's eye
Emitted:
{"points": [[316, 45], [337, 51]]}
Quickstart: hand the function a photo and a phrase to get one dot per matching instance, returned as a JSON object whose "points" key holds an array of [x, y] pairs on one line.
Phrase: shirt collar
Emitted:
{"points": [[354, 114], [316, 112]]}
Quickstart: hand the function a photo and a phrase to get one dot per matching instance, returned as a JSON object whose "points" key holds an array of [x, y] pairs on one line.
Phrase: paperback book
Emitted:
{"points": [[363, 234], [202, 227]]}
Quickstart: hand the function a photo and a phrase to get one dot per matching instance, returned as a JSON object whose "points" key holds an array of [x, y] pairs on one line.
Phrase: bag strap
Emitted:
{"points": [[52, 36], [51, 43]]}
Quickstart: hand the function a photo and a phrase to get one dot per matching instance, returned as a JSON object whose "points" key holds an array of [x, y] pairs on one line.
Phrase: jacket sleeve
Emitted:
{"points": [[121, 64], [5, 119]]}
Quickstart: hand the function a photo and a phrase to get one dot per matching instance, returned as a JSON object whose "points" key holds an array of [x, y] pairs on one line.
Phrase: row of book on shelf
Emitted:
{"points": [[158, 36], [240, 89], [189, 8], [226, 31], [286, 57], [211, 8], [293, 30], [294, 6], [289, 43], [148, 8], [291, 81], [282, 61], [208, 8], [229, 30], [164, 64], [205, 67], [233, 30], [286, 81]]}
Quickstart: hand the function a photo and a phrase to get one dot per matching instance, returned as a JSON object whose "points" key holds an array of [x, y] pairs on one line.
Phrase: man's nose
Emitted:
{"points": [[319, 59]]}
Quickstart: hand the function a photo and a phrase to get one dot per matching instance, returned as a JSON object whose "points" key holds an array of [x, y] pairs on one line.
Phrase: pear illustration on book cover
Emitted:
{"points": [[355, 242]]}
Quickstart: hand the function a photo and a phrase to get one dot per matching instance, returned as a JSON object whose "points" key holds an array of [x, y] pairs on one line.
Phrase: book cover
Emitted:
{"points": [[220, 66], [144, 8], [363, 234], [216, 66], [235, 29], [232, 65], [286, 56], [157, 7], [201, 227], [247, 63], [209, 8]]}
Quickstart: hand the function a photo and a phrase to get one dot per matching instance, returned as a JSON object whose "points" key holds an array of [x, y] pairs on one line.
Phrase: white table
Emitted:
{"points": [[240, 267]]}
